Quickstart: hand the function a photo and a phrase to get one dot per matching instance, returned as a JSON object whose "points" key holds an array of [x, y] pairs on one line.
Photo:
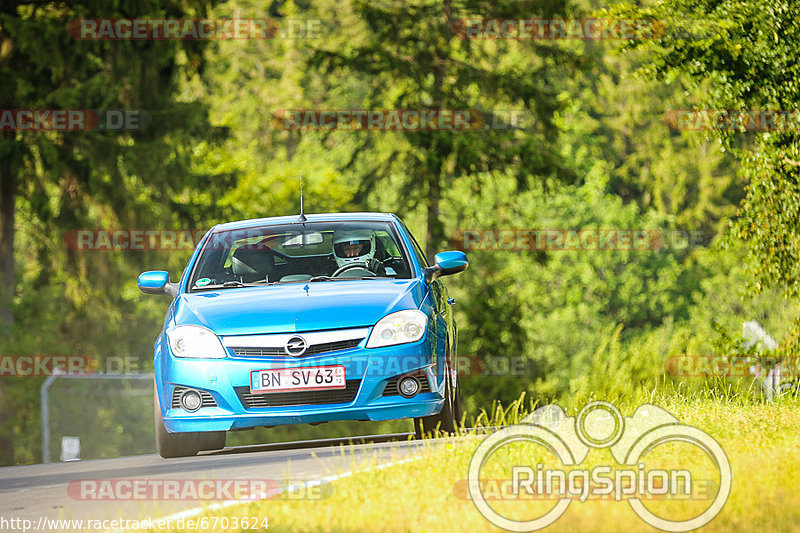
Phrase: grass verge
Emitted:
{"points": [[761, 442]]}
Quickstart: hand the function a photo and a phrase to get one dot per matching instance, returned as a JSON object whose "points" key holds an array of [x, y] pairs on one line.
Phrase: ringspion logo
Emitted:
{"points": [[633, 479]]}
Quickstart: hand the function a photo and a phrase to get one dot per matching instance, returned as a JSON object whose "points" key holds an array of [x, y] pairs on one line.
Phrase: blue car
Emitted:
{"points": [[309, 319]]}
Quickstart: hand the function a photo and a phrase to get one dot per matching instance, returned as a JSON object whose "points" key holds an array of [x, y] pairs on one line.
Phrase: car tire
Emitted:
{"points": [[171, 445], [212, 440], [446, 422]]}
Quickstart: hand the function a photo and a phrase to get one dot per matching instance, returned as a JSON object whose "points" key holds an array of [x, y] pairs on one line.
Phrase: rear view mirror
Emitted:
{"points": [[304, 239]]}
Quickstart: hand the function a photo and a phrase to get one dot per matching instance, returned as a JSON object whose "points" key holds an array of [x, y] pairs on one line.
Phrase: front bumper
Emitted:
{"points": [[373, 368]]}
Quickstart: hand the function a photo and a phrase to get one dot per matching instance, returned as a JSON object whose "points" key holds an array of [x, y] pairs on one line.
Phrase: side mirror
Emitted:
{"points": [[447, 263], [157, 282]]}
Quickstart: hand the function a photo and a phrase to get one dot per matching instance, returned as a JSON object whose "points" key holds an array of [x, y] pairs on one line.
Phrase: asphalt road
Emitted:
{"points": [[59, 490]]}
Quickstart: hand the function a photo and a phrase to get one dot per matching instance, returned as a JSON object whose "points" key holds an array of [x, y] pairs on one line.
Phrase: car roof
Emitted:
{"points": [[313, 217]]}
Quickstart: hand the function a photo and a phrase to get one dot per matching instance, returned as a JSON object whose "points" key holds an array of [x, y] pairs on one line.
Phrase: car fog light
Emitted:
{"points": [[409, 387], [191, 400]]}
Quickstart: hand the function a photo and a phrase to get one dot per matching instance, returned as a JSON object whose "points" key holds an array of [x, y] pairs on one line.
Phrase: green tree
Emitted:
{"points": [[558, 309], [413, 57], [51, 182], [743, 55]]}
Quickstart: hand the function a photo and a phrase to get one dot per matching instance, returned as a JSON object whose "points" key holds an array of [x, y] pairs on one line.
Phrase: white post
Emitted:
{"points": [[754, 333], [43, 394]]}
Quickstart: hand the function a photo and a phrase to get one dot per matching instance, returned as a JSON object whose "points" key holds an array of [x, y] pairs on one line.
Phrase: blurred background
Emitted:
{"points": [[593, 151]]}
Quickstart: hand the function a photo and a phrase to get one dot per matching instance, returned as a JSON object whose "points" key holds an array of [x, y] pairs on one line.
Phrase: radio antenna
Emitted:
{"points": [[302, 214]]}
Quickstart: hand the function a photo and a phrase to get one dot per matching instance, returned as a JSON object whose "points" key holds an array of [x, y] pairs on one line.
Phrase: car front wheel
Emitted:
{"points": [[186, 444], [448, 419]]}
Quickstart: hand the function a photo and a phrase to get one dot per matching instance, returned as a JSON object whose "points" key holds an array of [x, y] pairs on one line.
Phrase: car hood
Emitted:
{"points": [[296, 307]]}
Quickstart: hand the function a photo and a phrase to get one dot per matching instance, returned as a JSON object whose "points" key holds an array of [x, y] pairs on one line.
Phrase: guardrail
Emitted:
{"points": [[44, 395]]}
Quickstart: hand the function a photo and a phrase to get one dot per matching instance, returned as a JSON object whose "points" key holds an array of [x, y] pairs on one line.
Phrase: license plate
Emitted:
{"points": [[297, 379]]}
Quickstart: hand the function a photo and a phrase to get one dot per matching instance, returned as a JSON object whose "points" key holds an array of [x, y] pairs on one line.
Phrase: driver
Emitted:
{"points": [[356, 246]]}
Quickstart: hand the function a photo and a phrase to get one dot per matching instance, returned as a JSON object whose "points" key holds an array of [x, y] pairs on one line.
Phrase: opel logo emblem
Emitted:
{"points": [[296, 346]]}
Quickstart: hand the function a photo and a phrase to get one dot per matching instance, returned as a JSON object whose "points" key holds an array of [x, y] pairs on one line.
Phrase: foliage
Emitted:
{"points": [[412, 57], [596, 153], [744, 57], [52, 182], [434, 483]]}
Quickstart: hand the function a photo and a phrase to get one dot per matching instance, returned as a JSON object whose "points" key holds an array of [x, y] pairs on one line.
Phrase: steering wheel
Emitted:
{"points": [[345, 268]]}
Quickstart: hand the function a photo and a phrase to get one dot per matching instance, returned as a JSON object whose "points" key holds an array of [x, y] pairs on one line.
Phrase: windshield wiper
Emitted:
{"points": [[233, 284], [324, 278], [329, 278]]}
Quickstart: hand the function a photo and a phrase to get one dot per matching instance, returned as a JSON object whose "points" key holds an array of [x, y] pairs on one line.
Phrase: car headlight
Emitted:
{"points": [[195, 341], [398, 328]]}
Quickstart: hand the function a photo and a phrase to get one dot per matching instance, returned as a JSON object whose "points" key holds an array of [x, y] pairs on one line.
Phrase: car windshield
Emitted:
{"points": [[313, 251]]}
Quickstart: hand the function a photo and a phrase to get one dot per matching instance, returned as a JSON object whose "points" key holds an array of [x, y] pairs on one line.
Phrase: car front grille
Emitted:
{"points": [[314, 349], [392, 388], [314, 397], [208, 400]]}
